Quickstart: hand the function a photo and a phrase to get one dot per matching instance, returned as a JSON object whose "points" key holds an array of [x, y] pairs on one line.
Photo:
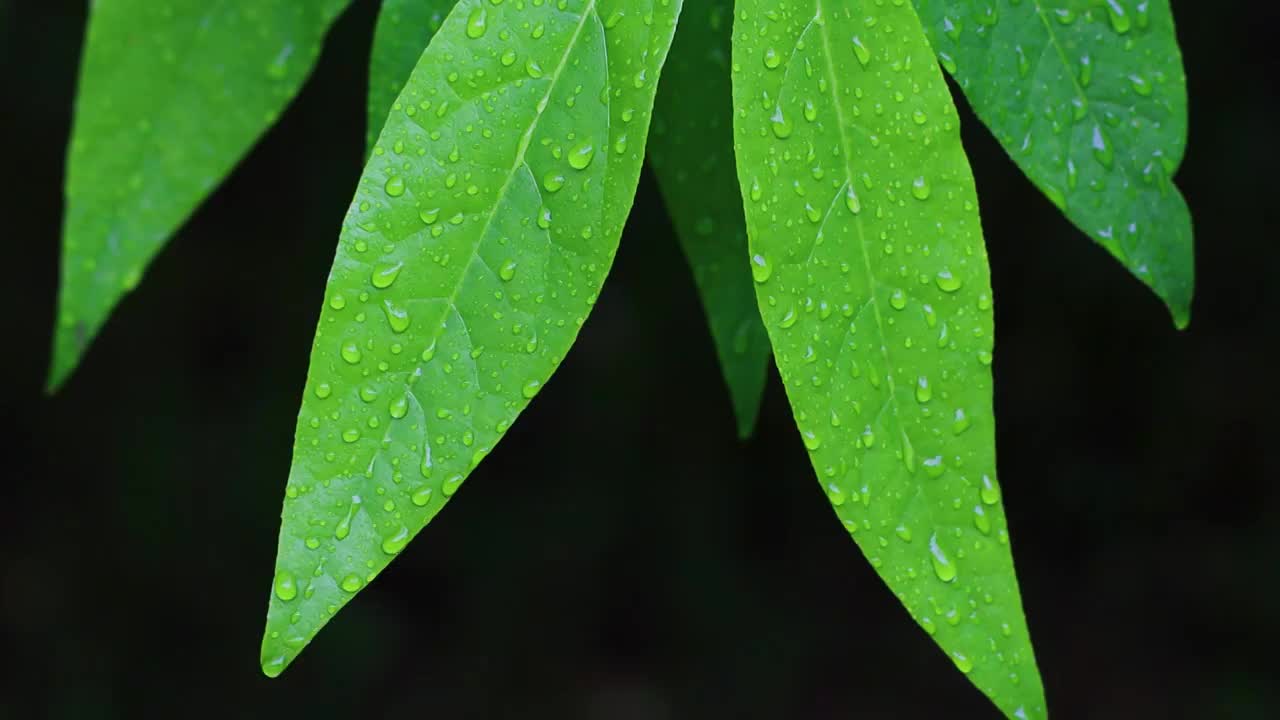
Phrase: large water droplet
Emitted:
{"points": [[477, 22], [286, 586], [942, 565]]}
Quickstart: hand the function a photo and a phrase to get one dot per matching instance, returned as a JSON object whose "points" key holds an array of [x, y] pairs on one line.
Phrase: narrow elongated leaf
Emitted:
{"points": [[404, 28], [1089, 99], [481, 232], [691, 153], [171, 96], [872, 278]]}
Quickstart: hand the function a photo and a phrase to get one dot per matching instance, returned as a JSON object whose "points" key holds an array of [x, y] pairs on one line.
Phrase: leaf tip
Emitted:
{"points": [[274, 657], [60, 368], [1181, 315]]}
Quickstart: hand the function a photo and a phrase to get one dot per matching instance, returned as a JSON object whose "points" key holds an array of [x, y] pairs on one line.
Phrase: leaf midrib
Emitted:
{"points": [[521, 149], [872, 286]]}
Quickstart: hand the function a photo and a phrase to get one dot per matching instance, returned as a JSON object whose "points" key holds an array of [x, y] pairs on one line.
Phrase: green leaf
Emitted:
{"points": [[872, 278], [171, 96], [1089, 99], [479, 237], [691, 153], [404, 28]]}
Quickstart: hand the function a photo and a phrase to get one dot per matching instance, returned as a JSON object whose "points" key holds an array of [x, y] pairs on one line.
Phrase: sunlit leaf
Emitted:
{"points": [[481, 232], [872, 279]]}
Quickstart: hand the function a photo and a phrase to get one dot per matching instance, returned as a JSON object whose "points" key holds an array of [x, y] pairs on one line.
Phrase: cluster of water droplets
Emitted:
{"points": [[1091, 103], [870, 268], [486, 219]]}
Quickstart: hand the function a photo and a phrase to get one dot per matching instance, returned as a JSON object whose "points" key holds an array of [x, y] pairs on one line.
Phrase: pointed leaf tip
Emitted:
{"points": [[148, 143], [871, 275], [479, 238], [691, 153], [1091, 103]]}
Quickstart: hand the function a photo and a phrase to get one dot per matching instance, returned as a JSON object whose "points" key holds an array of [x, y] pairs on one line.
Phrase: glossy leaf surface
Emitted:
{"points": [[481, 232], [1089, 99], [404, 28], [691, 153], [872, 279], [171, 96]]}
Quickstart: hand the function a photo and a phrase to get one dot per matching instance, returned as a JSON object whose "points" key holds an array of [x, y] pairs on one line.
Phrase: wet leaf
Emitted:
{"points": [[481, 232], [872, 278], [1089, 99], [404, 28], [171, 96], [691, 153]]}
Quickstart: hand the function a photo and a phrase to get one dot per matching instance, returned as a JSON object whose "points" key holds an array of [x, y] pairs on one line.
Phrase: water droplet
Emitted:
{"points": [[477, 22], [981, 521], [781, 125], [897, 300], [386, 274], [395, 543], [286, 586], [989, 492], [351, 583], [836, 495], [861, 51], [397, 317], [399, 407], [394, 186], [761, 269], [947, 282], [451, 485], [811, 441], [553, 181], [421, 496], [351, 352], [581, 154], [508, 271], [924, 393], [1120, 22], [323, 390], [920, 188], [851, 200], [942, 566]]}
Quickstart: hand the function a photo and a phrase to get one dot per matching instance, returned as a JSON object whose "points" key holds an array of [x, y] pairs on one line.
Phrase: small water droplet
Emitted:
{"points": [[761, 268]]}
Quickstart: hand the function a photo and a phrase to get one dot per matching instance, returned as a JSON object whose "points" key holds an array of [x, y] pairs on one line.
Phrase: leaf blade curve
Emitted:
{"points": [[481, 232], [1089, 100], [171, 96], [872, 280], [691, 153]]}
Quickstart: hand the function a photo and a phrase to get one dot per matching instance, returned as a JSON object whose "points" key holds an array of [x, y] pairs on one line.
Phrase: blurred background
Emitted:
{"points": [[622, 555]]}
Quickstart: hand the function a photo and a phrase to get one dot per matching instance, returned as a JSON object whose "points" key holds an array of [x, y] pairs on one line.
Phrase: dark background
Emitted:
{"points": [[621, 554]]}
